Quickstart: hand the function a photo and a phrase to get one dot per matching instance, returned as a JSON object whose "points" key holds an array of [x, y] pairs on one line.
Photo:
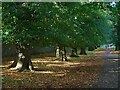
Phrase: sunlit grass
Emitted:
{"points": [[77, 59], [90, 52]]}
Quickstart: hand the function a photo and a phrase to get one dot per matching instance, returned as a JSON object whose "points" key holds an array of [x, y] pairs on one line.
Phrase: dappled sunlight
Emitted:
{"points": [[84, 69], [65, 64], [60, 74], [69, 57], [77, 71], [4, 66], [13, 69], [44, 72], [45, 58], [59, 65], [70, 64], [37, 61], [18, 74], [115, 52], [99, 52], [53, 73]]}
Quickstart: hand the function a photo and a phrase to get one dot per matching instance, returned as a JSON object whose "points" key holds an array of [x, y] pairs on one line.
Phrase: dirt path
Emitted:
{"points": [[111, 70]]}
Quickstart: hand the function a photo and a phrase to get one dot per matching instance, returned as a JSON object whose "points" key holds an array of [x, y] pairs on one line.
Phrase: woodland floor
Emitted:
{"points": [[99, 70]]}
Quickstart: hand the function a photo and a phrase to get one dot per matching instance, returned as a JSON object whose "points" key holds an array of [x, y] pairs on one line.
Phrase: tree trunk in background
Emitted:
{"points": [[91, 48], [15, 58], [74, 53], [95, 47], [118, 41], [116, 46], [14, 63], [63, 53], [98, 46], [24, 58], [83, 51], [118, 26], [57, 52], [118, 29]]}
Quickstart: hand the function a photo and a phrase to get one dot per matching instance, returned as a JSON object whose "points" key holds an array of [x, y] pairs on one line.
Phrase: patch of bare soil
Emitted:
{"points": [[82, 72]]}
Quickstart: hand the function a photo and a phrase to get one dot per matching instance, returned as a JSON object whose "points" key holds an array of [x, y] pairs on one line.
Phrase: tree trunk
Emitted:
{"points": [[118, 36], [95, 47], [57, 52], [13, 64], [118, 29], [63, 53], [74, 52], [24, 58], [15, 58], [91, 48], [83, 51], [117, 46], [98, 46]]}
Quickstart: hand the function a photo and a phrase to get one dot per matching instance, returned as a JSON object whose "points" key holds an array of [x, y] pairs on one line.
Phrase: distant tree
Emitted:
{"points": [[118, 27], [114, 11]]}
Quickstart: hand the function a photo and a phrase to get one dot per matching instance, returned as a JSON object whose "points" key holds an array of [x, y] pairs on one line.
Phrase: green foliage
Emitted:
{"points": [[51, 24], [114, 11]]}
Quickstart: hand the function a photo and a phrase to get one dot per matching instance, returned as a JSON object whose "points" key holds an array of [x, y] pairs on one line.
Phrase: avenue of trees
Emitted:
{"points": [[58, 25]]}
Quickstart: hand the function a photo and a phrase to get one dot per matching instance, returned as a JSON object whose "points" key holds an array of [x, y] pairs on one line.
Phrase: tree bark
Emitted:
{"points": [[24, 58], [15, 58], [118, 29], [98, 46], [83, 51], [63, 53], [117, 43], [74, 53], [91, 48], [118, 37], [95, 47], [58, 52], [117, 46]]}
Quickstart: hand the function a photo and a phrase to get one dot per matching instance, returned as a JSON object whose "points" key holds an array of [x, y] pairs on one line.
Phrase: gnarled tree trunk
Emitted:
{"points": [[15, 58], [58, 52], [83, 51], [24, 58], [91, 48], [63, 53], [118, 28], [74, 53]]}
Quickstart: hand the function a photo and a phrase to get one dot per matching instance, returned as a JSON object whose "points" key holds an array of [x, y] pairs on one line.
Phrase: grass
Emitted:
{"points": [[77, 59], [78, 51], [90, 52], [83, 57]]}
